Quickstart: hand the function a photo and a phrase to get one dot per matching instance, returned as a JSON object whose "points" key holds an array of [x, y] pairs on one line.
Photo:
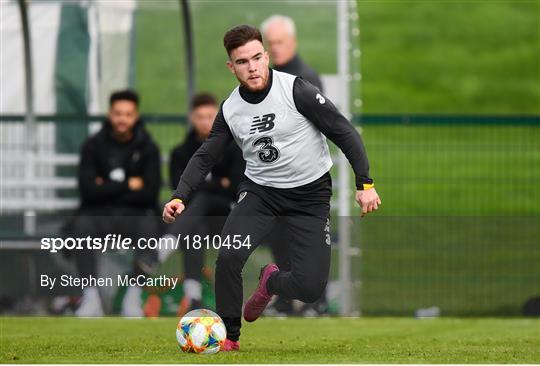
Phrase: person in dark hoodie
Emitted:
{"points": [[213, 198], [119, 180]]}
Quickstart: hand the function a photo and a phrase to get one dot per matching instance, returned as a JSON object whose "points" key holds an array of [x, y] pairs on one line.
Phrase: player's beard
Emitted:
{"points": [[254, 90]]}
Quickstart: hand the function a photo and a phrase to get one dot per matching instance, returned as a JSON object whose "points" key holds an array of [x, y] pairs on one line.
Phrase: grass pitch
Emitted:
{"points": [[321, 340]]}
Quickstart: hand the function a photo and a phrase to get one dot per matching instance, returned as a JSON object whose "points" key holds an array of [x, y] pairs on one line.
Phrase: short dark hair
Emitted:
{"points": [[124, 95], [239, 36], [201, 99]]}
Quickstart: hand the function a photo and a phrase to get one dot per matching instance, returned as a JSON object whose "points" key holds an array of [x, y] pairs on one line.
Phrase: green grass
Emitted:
{"points": [[465, 57], [468, 57], [323, 340]]}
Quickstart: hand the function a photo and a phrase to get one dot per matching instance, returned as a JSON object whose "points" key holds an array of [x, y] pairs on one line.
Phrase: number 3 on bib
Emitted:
{"points": [[267, 153]]}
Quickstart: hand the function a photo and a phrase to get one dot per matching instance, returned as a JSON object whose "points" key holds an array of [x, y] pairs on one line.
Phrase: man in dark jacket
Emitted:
{"points": [[213, 198], [280, 34], [119, 180]]}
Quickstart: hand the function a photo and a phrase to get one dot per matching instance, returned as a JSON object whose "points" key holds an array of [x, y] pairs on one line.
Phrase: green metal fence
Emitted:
{"points": [[459, 224]]}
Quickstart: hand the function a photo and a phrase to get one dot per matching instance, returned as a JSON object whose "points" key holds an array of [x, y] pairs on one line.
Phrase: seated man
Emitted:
{"points": [[119, 180], [213, 198]]}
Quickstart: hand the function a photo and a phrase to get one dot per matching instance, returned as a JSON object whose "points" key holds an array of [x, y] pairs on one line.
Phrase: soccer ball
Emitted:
{"points": [[201, 331]]}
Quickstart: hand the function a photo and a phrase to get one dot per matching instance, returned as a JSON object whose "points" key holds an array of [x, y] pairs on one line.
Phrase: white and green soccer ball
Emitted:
{"points": [[201, 331]]}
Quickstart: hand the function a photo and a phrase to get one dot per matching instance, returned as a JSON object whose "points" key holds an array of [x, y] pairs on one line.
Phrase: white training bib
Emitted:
{"points": [[282, 148]]}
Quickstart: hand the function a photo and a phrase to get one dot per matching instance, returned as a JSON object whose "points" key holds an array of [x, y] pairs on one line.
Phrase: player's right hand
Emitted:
{"points": [[172, 210]]}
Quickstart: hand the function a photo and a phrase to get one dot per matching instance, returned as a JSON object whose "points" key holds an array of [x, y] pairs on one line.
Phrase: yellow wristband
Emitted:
{"points": [[367, 186], [178, 199]]}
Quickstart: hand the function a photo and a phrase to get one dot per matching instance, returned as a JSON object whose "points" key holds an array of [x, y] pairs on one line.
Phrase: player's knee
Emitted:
{"points": [[311, 292], [309, 289]]}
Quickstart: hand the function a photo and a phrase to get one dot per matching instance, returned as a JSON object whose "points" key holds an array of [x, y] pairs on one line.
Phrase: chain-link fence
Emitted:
{"points": [[457, 231]]}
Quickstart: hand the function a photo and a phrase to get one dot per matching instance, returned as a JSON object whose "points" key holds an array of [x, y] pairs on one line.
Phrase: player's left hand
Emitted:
{"points": [[368, 199]]}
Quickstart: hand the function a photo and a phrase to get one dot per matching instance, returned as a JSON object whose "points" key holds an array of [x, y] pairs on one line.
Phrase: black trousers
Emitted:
{"points": [[304, 212], [204, 215]]}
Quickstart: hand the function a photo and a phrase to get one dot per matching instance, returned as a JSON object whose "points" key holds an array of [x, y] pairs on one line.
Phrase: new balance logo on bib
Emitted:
{"points": [[262, 124]]}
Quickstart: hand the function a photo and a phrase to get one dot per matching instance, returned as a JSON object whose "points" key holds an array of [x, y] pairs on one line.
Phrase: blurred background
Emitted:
{"points": [[446, 96]]}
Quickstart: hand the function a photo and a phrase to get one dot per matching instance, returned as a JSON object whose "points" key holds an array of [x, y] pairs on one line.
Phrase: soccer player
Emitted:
{"points": [[280, 122]]}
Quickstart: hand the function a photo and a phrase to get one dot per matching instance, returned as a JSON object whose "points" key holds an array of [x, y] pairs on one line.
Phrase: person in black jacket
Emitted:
{"points": [[119, 180], [280, 35], [212, 199]]}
